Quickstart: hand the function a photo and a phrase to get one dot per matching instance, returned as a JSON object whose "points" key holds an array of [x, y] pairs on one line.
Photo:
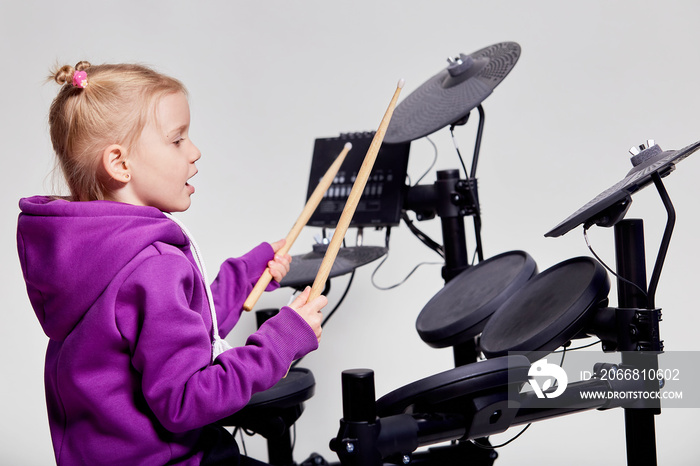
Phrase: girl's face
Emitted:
{"points": [[162, 160]]}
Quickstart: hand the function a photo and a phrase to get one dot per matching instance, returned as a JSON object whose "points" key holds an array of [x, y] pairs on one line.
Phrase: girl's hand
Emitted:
{"points": [[310, 311], [279, 266]]}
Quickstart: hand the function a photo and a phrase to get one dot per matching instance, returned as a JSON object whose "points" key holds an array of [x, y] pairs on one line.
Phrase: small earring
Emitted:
{"points": [[127, 176]]}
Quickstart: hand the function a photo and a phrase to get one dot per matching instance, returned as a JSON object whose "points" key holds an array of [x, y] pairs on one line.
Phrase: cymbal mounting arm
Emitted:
{"points": [[471, 176], [477, 144], [665, 241]]}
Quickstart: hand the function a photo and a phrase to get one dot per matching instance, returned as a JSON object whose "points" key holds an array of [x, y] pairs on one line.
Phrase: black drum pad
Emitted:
{"points": [[422, 396], [549, 310], [267, 412], [297, 387], [461, 308]]}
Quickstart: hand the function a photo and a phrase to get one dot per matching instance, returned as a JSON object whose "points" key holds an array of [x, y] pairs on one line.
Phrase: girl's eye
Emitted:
{"points": [[177, 142]]}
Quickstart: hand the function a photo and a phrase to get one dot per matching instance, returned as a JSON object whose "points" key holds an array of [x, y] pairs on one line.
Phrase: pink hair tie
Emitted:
{"points": [[80, 79]]}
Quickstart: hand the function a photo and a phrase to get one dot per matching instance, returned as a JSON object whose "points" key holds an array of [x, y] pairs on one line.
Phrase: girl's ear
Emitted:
{"points": [[115, 163]]}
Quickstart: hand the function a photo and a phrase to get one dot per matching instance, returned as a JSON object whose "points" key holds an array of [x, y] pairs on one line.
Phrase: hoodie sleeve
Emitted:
{"points": [[235, 281], [159, 311]]}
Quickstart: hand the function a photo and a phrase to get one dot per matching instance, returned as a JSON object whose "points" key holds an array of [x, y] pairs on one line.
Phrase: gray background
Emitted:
{"points": [[267, 78]]}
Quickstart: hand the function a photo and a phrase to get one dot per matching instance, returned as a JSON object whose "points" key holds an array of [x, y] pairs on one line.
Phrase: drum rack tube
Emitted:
{"points": [[366, 440], [572, 401]]}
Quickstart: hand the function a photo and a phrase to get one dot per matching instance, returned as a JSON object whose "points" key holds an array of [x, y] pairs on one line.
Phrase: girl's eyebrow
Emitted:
{"points": [[177, 130]]}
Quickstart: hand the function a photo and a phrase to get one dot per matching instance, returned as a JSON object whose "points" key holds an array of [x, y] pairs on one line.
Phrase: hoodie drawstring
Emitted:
{"points": [[219, 345]]}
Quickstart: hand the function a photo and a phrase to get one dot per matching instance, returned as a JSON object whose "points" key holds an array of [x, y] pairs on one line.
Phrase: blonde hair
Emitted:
{"points": [[112, 109]]}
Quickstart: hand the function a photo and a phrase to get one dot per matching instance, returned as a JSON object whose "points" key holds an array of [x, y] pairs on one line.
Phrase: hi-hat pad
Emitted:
{"points": [[451, 94], [647, 162], [303, 268]]}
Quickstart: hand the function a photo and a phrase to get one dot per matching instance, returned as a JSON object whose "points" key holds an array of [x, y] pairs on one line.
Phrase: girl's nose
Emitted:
{"points": [[196, 154]]}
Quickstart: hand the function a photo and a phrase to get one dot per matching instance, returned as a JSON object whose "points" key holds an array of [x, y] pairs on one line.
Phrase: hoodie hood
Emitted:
{"points": [[71, 251]]}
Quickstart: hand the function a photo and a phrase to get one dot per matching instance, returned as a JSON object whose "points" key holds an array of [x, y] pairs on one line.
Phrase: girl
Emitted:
{"points": [[136, 372]]}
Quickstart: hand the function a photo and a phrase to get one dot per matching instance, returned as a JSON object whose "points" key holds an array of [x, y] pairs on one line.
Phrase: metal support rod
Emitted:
{"points": [[453, 235], [631, 265], [454, 242], [280, 450]]}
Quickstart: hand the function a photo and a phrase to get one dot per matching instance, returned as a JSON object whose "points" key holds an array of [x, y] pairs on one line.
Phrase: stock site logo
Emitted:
{"points": [[549, 375]]}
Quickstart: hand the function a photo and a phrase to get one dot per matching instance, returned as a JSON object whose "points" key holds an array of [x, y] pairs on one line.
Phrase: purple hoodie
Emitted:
{"points": [[129, 374]]}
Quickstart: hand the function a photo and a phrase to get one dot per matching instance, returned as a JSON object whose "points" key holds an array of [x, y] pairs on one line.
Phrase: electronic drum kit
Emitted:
{"points": [[502, 308]]}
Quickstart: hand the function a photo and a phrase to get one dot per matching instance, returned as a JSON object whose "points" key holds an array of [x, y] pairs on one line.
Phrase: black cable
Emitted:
{"points": [[395, 285], [563, 355], [342, 298], [470, 185], [629, 282], [459, 154], [242, 431], [577, 348], [435, 154], [491, 447], [425, 239], [385, 288]]}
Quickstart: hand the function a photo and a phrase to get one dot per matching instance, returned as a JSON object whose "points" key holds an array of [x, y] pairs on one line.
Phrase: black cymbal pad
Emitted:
{"points": [[451, 94]]}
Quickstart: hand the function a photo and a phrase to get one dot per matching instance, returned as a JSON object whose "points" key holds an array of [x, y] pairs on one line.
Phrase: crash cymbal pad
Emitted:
{"points": [[451, 94]]}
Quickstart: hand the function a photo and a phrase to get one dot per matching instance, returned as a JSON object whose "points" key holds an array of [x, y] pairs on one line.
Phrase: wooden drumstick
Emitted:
{"points": [[353, 199], [309, 209]]}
